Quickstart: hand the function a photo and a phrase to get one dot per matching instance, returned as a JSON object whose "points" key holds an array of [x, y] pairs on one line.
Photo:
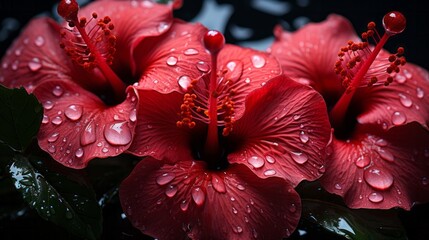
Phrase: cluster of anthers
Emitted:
{"points": [[101, 38], [353, 56]]}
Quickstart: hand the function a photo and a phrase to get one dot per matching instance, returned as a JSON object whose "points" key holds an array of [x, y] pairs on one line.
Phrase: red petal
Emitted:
{"points": [[405, 100], [381, 170], [78, 127], [35, 56], [309, 54], [133, 21], [186, 200], [283, 132], [158, 136], [178, 54]]}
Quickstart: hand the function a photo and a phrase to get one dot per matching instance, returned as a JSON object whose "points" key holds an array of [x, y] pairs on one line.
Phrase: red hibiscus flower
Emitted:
{"points": [[378, 107], [225, 150], [80, 72]]}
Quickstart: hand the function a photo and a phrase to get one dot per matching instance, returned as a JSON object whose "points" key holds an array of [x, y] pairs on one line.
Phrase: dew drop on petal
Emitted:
{"points": [[184, 205], [362, 161], [381, 142], [79, 153], [258, 61], [73, 112], [198, 196], [270, 172], [57, 120], [378, 179], [247, 80], [299, 157], [296, 117], [292, 208], [171, 191], [39, 41], [303, 137], [58, 91], [386, 155], [118, 133], [190, 52], [53, 137], [165, 178], [48, 105], [171, 61], [420, 92], [375, 197], [338, 186], [184, 82], [162, 27], [270, 159], [203, 66], [34, 65], [105, 150], [398, 118], [51, 149], [218, 184], [405, 101], [133, 115], [45, 119], [256, 161], [88, 136], [240, 187], [400, 78]]}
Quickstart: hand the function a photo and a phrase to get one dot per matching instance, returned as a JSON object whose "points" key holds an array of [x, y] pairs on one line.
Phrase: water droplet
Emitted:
{"points": [[362, 161], [184, 205], [15, 65], [162, 27], [420, 92], [375, 197], [247, 80], [296, 117], [184, 82], [73, 112], [292, 208], [398, 118], [48, 105], [303, 137], [58, 91], [34, 65], [258, 61], [425, 181], [248, 209], [256, 161], [57, 120], [234, 210], [198, 196], [105, 150], [53, 137], [405, 101], [39, 41], [407, 74], [88, 136], [378, 179], [171, 191], [79, 153], [203, 66], [218, 184], [270, 172], [240, 187], [45, 119], [133, 115], [400, 78], [386, 155], [381, 142], [171, 61], [299, 157], [237, 229], [190, 52], [338, 186], [165, 178], [51, 149], [118, 133], [254, 233], [270, 159]]}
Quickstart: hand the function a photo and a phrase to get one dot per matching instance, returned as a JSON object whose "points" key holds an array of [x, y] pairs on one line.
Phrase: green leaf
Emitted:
{"points": [[57, 199], [354, 224], [20, 117]]}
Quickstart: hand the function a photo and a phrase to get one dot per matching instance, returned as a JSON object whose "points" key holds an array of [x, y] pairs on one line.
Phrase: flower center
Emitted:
{"points": [[90, 44], [358, 65], [210, 101]]}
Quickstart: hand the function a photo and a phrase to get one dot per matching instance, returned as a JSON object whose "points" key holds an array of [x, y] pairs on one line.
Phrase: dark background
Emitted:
{"points": [[257, 22]]}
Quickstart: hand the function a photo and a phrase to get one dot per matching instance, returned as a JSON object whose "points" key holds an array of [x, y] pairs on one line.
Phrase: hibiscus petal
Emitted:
{"points": [[379, 169], [77, 126], [133, 21], [283, 132], [405, 100], [309, 54], [170, 62], [185, 200], [158, 136], [35, 56]]}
